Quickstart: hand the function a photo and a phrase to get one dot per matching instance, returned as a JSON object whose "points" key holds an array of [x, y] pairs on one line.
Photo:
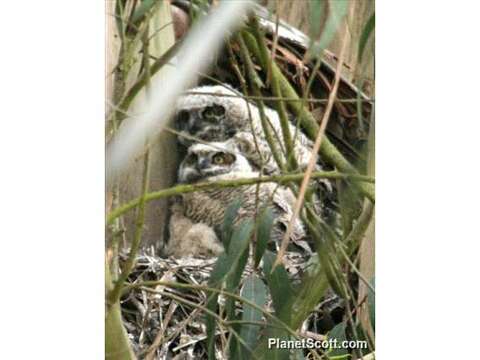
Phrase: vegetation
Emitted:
{"points": [[248, 295]]}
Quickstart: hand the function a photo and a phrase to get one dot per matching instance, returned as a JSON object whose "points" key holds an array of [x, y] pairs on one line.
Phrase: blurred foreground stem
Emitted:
{"points": [[188, 188], [328, 151], [117, 344]]}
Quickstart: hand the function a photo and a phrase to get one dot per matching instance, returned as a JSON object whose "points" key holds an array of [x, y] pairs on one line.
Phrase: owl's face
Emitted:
{"points": [[211, 114], [207, 124], [203, 161]]}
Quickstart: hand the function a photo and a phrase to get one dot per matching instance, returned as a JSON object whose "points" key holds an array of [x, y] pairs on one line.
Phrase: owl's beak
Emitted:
{"points": [[195, 123], [203, 164]]}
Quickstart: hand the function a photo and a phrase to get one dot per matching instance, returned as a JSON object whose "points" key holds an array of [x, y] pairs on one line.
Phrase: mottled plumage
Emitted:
{"points": [[219, 113], [188, 238], [208, 206]]}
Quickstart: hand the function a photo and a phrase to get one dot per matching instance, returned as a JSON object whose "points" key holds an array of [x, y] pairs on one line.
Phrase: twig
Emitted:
{"points": [[243, 83], [313, 158], [130, 263], [145, 284], [189, 188], [276, 98], [142, 80], [206, 310], [254, 80], [361, 225], [327, 149], [159, 337], [280, 105]]}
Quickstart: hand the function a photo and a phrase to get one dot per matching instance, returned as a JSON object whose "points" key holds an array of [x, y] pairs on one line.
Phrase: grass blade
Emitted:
{"points": [[264, 229], [254, 290], [228, 219], [367, 31]]}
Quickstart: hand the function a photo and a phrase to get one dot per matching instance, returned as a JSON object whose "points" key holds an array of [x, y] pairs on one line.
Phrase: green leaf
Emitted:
{"points": [[255, 291], [144, 7], [264, 229], [264, 352], [228, 268], [298, 355], [238, 257], [227, 262], [278, 283], [232, 283], [235, 348], [212, 304], [328, 28], [220, 270], [228, 220], [119, 17], [240, 239], [317, 13], [329, 261], [282, 293], [338, 332], [367, 31], [308, 296]]}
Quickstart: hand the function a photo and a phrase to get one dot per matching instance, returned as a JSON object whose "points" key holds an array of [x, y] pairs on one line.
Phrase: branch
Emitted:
{"points": [[146, 284], [313, 158], [331, 154], [117, 344], [279, 105], [154, 68], [115, 294], [189, 188], [254, 84]]}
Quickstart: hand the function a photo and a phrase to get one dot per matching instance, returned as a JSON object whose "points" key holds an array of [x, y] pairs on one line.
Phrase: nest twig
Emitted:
{"points": [[161, 327]]}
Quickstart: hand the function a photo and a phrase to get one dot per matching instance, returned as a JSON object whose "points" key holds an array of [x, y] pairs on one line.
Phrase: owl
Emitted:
{"points": [[188, 238], [219, 113], [223, 161]]}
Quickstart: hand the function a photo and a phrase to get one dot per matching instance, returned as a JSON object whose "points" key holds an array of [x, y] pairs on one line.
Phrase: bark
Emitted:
{"points": [[163, 152], [367, 248]]}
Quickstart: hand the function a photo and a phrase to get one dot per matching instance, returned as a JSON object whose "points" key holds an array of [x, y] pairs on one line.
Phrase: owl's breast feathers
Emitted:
{"points": [[209, 206]]}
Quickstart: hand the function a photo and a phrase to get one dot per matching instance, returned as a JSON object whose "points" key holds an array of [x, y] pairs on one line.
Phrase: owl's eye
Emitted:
{"points": [[214, 112], [223, 158], [219, 159], [208, 113]]}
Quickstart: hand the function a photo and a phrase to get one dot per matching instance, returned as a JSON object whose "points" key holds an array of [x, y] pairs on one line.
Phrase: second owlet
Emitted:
{"points": [[219, 113], [222, 161]]}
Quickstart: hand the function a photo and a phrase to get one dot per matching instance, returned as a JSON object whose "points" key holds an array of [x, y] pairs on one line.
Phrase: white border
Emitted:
{"points": [[427, 179], [52, 182]]}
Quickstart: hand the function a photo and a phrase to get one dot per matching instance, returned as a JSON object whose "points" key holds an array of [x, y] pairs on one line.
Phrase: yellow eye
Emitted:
{"points": [[219, 159]]}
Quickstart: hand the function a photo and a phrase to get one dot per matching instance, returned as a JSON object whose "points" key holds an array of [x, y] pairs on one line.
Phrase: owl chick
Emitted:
{"points": [[218, 113], [190, 239], [222, 161]]}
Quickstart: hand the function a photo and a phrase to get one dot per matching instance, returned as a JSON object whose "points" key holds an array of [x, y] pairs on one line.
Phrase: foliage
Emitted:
{"points": [[247, 292]]}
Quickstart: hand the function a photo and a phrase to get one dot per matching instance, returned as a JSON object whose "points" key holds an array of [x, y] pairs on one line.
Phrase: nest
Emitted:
{"points": [[162, 327]]}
